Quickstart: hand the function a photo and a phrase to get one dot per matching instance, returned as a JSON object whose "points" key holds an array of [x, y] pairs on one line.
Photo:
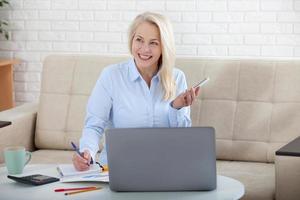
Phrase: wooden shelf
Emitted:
{"points": [[6, 83]]}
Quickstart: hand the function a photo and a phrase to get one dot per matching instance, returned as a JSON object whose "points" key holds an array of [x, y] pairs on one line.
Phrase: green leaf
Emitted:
{"points": [[6, 35], [3, 3], [3, 23]]}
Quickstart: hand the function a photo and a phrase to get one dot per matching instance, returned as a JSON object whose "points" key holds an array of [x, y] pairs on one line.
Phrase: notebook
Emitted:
{"points": [[161, 159], [68, 173], [69, 170]]}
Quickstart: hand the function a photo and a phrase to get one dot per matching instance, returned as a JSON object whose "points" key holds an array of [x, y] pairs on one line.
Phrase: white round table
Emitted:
{"points": [[227, 188]]}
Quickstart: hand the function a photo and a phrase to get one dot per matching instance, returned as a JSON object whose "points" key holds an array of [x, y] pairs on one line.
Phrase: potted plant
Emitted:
{"points": [[3, 23]]}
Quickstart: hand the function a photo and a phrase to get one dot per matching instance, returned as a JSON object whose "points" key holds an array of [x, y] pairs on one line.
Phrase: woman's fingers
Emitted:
{"points": [[192, 95], [87, 156], [197, 91], [188, 98], [80, 163]]}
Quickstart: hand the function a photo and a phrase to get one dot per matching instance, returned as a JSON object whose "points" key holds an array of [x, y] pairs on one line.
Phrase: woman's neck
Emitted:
{"points": [[148, 73]]}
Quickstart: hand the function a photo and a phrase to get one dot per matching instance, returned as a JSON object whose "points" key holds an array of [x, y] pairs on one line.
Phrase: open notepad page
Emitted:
{"points": [[100, 177], [66, 170], [70, 174]]}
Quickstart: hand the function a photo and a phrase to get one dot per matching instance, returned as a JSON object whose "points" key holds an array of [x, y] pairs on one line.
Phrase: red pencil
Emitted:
{"points": [[70, 189]]}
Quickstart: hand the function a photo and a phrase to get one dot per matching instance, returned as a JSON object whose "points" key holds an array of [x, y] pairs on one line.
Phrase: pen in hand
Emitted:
{"points": [[78, 152]]}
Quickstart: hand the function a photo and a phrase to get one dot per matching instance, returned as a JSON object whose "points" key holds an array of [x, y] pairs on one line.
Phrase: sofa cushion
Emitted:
{"points": [[51, 157], [67, 82], [253, 113], [258, 178]]}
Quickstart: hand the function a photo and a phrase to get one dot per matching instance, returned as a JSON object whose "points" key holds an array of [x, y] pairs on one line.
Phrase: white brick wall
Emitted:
{"points": [[255, 28]]}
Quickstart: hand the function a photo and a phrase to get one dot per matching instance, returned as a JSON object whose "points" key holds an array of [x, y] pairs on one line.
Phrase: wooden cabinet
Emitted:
{"points": [[6, 83]]}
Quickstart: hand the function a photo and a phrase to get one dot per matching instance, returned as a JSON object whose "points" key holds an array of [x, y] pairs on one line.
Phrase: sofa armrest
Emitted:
{"points": [[287, 171], [21, 130]]}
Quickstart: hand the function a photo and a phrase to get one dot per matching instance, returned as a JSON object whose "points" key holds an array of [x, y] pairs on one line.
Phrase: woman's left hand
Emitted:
{"points": [[186, 98]]}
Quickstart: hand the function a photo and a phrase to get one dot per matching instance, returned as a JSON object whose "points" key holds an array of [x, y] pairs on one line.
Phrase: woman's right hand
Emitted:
{"points": [[82, 163]]}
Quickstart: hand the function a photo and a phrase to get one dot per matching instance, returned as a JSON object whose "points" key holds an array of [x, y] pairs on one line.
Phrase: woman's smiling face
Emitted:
{"points": [[146, 46]]}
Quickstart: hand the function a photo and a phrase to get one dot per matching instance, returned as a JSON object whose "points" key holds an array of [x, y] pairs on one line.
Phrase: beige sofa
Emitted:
{"points": [[254, 106]]}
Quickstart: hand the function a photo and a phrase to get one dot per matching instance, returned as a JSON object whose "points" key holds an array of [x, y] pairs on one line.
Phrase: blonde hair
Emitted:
{"points": [[167, 59]]}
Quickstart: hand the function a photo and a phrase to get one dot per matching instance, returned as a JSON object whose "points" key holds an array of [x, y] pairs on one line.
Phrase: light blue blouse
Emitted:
{"points": [[122, 99]]}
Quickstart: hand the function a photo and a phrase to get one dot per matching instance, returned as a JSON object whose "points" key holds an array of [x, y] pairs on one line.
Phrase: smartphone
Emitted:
{"points": [[201, 83]]}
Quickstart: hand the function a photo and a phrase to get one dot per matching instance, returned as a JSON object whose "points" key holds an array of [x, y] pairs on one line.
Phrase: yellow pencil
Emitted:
{"points": [[80, 191]]}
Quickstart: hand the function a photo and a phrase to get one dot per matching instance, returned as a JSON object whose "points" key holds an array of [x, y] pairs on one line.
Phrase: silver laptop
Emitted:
{"points": [[161, 159]]}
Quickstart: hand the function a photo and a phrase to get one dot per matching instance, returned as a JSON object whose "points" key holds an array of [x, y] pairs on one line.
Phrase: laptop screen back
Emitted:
{"points": [[161, 159]]}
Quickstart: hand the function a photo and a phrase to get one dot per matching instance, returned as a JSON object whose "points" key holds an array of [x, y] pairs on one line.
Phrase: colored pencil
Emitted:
{"points": [[80, 191], [71, 189]]}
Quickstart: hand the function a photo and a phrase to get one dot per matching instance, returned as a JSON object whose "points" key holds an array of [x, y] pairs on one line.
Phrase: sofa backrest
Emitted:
{"points": [[254, 105], [67, 81]]}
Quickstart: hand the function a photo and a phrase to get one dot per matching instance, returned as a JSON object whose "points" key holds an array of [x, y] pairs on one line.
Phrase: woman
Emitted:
{"points": [[139, 92]]}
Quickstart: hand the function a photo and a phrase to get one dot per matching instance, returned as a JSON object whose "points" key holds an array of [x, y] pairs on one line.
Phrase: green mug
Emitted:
{"points": [[16, 158]]}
